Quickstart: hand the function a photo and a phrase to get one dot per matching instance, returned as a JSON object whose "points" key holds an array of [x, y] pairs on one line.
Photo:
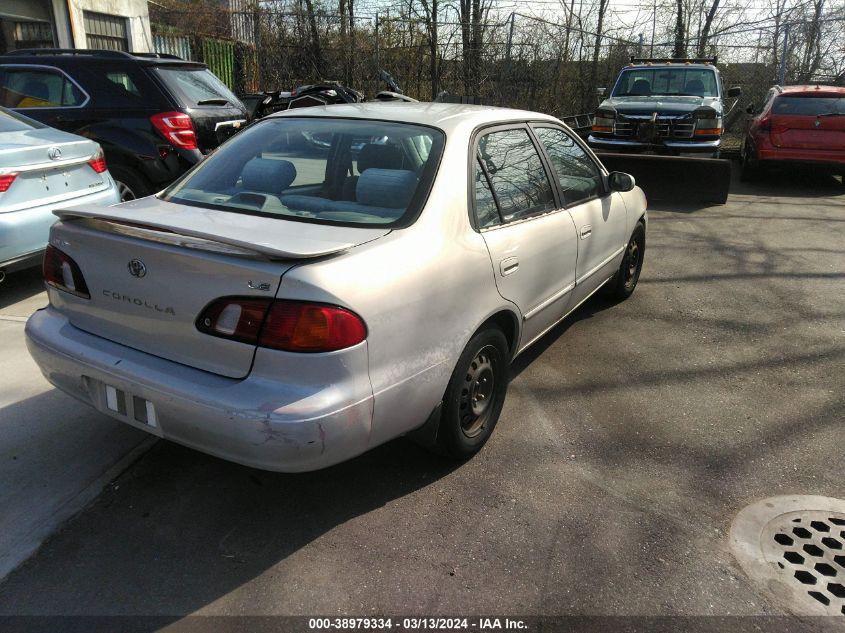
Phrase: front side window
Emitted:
{"points": [[314, 169], [38, 88], [516, 174], [645, 82], [578, 175]]}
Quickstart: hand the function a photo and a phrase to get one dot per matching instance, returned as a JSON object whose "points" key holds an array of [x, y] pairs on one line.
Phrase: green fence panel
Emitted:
{"points": [[219, 56]]}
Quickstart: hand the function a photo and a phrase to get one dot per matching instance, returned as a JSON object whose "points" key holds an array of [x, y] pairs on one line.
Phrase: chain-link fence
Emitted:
{"points": [[550, 65]]}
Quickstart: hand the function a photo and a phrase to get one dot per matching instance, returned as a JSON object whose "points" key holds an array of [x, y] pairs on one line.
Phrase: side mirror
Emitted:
{"points": [[620, 181], [750, 108], [734, 91], [600, 91]]}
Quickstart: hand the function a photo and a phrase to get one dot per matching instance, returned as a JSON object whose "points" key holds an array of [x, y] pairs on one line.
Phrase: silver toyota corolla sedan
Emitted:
{"points": [[290, 304], [42, 169]]}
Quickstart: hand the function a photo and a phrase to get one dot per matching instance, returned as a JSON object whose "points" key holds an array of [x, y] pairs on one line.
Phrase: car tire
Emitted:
{"points": [[622, 284], [130, 184], [475, 395]]}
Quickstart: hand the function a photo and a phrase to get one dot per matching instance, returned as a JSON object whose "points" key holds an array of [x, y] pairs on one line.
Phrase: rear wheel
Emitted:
{"points": [[130, 184], [474, 398], [622, 285]]}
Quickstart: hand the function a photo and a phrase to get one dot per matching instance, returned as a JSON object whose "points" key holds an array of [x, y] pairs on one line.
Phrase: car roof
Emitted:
{"points": [[813, 88], [446, 116], [663, 65], [54, 55]]}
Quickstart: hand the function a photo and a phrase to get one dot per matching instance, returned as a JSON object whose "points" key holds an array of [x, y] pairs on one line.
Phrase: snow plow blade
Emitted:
{"points": [[675, 178]]}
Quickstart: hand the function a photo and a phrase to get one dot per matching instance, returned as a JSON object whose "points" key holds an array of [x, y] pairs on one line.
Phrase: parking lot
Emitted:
{"points": [[631, 437]]}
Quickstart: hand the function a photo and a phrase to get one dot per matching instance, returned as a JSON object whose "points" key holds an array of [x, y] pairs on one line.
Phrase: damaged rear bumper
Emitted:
{"points": [[294, 412]]}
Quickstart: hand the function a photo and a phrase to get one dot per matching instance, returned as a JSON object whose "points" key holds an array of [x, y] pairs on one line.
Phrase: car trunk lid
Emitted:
{"points": [[51, 167], [151, 272]]}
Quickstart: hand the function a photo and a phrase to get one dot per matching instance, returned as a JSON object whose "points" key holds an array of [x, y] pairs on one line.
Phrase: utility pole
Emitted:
{"points": [[783, 55], [640, 46], [653, 26], [507, 70], [378, 66]]}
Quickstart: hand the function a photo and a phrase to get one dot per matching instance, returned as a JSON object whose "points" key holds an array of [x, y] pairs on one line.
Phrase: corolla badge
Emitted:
{"points": [[136, 268], [54, 153]]}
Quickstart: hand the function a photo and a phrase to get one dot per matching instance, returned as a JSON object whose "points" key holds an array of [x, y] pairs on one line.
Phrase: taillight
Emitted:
{"points": [[98, 163], [177, 128], [6, 181], [293, 326], [61, 272]]}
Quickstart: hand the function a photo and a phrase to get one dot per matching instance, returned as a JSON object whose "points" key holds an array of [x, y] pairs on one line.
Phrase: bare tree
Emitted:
{"points": [[705, 30], [680, 33]]}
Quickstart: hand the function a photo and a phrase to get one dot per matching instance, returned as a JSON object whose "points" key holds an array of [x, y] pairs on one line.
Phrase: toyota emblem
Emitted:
{"points": [[136, 268], [54, 153]]}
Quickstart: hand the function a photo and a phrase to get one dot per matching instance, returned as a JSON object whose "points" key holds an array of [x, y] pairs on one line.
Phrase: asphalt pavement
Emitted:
{"points": [[631, 437]]}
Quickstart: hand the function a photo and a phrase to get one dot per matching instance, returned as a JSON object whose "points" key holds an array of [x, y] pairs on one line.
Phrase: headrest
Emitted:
{"points": [[390, 188], [379, 156], [268, 175]]}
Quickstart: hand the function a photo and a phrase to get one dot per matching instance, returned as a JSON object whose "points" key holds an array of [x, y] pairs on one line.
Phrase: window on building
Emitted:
{"points": [[33, 35], [106, 32]]}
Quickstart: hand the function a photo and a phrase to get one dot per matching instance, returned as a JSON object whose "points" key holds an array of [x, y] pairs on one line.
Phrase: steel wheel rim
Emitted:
{"points": [[633, 262], [477, 393], [125, 192]]}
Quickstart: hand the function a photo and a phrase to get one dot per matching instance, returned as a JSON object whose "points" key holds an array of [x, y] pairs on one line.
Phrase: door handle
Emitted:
{"points": [[586, 231], [508, 266]]}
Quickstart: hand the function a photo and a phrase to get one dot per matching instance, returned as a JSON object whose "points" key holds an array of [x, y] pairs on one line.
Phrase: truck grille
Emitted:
{"points": [[667, 127]]}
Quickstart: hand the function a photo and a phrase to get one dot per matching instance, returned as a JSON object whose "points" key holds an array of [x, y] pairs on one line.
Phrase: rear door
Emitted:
{"points": [[815, 121], [600, 218], [530, 238], [216, 113]]}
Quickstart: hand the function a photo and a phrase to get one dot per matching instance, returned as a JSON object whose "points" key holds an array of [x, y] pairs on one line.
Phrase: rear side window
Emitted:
{"points": [[38, 88], [195, 86], [114, 87], [332, 171], [517, 176], [576, 172], [809, 106]]}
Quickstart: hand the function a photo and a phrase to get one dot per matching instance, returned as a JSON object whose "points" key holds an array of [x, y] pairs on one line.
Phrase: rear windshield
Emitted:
{"points": [[196, 86], [13, 122], [811, 106], [322, 170], [643, 82]]}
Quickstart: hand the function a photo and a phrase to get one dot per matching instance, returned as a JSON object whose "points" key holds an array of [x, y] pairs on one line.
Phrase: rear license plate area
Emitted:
{"points": [[118, 402]]}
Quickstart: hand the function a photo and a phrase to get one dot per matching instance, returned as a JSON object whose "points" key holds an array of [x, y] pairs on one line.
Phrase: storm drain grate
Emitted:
{"points": [[794, 548], [813, 553]]}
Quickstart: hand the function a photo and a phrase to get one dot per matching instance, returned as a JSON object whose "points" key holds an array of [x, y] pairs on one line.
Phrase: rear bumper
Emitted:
{"points": [[681, 146], [815, 158], [24, 232], [258, 421]]}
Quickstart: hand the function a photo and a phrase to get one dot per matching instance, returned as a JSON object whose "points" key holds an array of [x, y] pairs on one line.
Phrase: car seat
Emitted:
{"points": [[268, 175], [641, 87], [371, 156], [694, 87]]}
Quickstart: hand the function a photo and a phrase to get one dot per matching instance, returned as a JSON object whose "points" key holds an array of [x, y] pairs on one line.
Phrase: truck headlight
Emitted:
{"points": [[707, 122], [603, 120]]}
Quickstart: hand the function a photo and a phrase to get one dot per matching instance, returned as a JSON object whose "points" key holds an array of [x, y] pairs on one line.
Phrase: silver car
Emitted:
{"points": [[289, 305], [42, 169]]}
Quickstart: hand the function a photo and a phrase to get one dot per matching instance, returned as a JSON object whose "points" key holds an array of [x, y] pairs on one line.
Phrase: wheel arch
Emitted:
{"points": [[508, 322]]}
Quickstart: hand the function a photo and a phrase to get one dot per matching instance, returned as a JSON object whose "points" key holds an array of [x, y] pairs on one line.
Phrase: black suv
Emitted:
{"points": [[154, 115]]}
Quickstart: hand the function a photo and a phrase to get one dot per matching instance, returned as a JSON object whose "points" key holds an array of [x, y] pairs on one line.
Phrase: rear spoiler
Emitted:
{"points": [[247, 244]]}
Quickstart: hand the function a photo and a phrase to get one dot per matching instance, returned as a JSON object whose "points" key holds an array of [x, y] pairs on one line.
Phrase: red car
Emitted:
{"points": [[797, 125]]}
